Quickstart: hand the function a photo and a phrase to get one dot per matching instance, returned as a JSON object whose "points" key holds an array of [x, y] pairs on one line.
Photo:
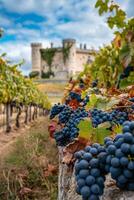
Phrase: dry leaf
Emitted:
{"points": [[24, 191], [51, 169]]}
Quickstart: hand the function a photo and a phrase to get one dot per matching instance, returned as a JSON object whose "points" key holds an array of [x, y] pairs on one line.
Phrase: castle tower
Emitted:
{"points": [[36, 56], [70, 63]]}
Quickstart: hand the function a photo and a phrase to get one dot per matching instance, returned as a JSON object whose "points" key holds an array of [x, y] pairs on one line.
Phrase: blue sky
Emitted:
{"points": [[26, 21]]}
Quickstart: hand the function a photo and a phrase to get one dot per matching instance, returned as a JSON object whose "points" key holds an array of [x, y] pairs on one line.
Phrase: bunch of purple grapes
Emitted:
{"points": [[56, 109], [65, 114], [90, 171], [70, 130], [116, 116], [120, 159], [99, 116], [95, 83], [76, 96]]}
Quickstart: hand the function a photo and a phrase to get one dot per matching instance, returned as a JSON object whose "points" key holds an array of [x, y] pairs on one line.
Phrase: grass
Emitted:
{"points": [[51, 87], [55, 100], [29, 171]]}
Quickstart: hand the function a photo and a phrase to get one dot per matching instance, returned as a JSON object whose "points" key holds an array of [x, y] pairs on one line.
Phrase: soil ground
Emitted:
{"points": [[29, 163]]}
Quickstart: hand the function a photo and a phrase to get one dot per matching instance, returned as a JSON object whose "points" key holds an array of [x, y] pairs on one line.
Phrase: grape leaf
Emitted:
{"points": [[101, 132], [83, 94], [85, 129], [117, 129], [92, 102], [112, 102]]}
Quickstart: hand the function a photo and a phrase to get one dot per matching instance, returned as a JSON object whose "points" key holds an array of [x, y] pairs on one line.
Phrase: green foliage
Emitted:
{"points": [[101, 102], [92, 102], [65, 51], [126, 53], [15, 87], [1, 32], [127, 81], [110, 60], [47, 74], [48, 55], [85, 129], [88, 132], [34, 74], [101, 132], [117, 16], [102, 6], [106, 66]]}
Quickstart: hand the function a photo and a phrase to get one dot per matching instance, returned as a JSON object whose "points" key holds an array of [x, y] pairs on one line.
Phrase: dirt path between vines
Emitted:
{"points": [[8, 139], [29, 163]]}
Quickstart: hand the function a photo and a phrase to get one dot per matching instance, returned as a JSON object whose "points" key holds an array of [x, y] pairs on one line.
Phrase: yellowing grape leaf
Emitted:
{"points": [[101, 102], [85, 129], [92, 102], [83, 94], [101, 132], [117, 129], [112, 102]]}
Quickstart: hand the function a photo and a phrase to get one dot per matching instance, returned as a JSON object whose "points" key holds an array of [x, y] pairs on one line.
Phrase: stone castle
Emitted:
{"points": [[64, 61]]}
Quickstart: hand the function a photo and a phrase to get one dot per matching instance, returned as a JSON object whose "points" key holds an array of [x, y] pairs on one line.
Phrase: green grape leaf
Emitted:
{"points": [[117, 128], [98, 4], [92, 102], [85, 129], [83, 94], [101, 132]]}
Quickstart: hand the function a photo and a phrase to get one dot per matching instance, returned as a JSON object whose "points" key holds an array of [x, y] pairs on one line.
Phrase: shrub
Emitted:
{"points": [[34, 74]]}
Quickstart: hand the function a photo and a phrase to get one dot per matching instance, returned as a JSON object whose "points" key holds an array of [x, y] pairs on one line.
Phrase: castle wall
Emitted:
{"points": [[81, 60], [71, 61], [74, 63], [57, 64]]}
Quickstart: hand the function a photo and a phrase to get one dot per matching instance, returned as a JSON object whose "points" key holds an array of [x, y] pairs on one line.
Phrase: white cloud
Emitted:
{"points": [[17, 52], [5, 22], [84, 24]]}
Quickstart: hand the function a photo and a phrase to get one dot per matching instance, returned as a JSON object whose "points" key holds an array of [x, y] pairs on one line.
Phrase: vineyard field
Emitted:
{"points": [[66, 132]]}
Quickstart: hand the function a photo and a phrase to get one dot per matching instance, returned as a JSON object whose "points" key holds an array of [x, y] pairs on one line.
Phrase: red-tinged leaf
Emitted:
{"points": [[114, 91], [131, 91], [74, 103], [53, 126], [76, 145], [131, 116], [68, 152], [51, 169], [78, 90]]}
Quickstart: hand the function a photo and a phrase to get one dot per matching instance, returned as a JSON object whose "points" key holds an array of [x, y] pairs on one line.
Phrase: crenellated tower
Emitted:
{"points": [[36, 56], [70, 63]]}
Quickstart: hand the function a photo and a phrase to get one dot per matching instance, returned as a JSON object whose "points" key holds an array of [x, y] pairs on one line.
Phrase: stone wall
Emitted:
{"points": [[74, 62], [57, 64]]}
